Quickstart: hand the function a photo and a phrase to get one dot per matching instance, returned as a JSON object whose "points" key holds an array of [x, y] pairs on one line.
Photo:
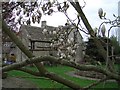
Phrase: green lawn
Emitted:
{"points": [[60, 70]]}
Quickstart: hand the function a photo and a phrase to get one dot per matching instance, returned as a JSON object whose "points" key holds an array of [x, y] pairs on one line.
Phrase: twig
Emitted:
{"points": [[74, 24]]}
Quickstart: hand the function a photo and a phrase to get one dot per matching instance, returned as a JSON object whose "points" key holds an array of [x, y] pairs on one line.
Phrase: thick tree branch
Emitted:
{"points": [[63, 62], [39, 66], [101, 50], [62, 80], [29, 71], [21, 46], [88, 26], [52, 76], [83, 17]]}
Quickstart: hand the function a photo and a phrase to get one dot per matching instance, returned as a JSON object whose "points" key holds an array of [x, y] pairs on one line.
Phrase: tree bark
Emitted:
{"points": [[63, 62], [101, 50], [40, 67]]}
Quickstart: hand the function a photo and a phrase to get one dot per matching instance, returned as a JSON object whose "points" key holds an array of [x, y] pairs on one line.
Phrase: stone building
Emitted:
{"points": [[33, 38]]}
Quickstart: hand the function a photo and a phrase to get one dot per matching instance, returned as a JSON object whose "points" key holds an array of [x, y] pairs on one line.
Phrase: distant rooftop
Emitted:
{"points": [[35, 33]]}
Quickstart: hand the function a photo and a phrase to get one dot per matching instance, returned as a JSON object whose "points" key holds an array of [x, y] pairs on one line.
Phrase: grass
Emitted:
{"points": [[60, 70]]}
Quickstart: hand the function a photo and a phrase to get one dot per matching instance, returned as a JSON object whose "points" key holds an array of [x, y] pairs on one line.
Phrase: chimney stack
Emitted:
{"points": [[43, 24]]}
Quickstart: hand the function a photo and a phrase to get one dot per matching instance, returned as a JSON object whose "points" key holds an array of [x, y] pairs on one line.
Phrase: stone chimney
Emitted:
{"points": [[43, 24]]}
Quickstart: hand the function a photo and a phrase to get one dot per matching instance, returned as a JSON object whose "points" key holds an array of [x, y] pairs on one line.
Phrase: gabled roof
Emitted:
{"points": [[35, 33]]}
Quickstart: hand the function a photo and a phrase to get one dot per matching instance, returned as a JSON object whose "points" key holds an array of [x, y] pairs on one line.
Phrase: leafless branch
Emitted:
{"points": [[76, 26]]}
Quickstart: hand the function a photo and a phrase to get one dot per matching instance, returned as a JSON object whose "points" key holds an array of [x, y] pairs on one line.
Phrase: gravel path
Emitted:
{"points": [[13, 82], [72, 74]]}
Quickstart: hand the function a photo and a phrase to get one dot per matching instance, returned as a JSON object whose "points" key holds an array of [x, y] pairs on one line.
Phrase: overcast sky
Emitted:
{"points": [[90, 10]]}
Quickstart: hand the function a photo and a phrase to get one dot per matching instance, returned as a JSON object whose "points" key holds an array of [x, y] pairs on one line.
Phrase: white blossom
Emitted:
{"points": [[73, 52], [53, 40], [54, 32], [50, 32], [59, 52], [63, 55], [69, 56], [69, 49], [71, 59], [61, 40], [61, 47], [61, 27], [72, 39], [44, 31], [103, 29], [100, 13], [51, 44], [65, 33], [69, 41], [76, 46]]}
